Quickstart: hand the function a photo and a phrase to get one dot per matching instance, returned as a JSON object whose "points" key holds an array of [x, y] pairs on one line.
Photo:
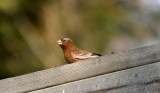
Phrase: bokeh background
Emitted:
{"points": [[29, 30]]}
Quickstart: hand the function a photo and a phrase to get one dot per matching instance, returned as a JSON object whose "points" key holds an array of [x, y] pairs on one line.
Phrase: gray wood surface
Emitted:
{"points": [[143, 79], [78, 71]]}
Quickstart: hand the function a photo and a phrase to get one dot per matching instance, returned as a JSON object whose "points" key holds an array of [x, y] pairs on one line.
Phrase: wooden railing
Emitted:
{"points": [[133, 71]]}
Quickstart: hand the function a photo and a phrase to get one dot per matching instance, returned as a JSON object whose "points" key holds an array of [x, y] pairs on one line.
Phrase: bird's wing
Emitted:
{"points": [[84, 55]]}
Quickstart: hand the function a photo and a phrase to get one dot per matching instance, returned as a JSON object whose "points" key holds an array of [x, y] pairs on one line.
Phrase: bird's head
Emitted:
{"points": [[64, 42]]}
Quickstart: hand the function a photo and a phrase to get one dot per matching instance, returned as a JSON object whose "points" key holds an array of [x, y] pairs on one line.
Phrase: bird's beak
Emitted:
{"points": [[59, 42]]}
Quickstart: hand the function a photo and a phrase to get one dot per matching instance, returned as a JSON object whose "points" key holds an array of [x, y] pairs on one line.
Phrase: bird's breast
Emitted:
{"points": [[68, 56]]}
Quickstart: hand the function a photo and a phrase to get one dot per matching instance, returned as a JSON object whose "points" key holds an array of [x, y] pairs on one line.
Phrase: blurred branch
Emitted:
{"points": [[36, 42]]}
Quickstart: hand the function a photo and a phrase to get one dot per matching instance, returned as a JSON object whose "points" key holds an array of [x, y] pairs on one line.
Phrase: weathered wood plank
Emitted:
{"points": [[143, 79], [77, 71]]}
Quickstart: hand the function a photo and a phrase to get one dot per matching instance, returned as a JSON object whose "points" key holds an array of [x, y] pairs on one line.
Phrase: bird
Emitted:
{"points": [[74, 54]]}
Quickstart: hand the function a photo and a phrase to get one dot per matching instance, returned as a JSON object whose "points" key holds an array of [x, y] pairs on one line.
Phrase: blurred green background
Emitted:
{"points": [[29, 30]]}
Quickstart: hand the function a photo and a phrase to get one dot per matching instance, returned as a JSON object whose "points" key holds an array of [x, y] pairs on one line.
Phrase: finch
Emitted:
{"points": [[72, 53]]}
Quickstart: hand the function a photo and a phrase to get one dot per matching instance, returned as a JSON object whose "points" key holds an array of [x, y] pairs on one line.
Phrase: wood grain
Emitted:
{"points": [[82, 70], [143, 79]]}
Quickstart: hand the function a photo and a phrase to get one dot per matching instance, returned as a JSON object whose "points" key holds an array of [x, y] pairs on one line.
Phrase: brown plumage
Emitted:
{"points": [[72, 53]]}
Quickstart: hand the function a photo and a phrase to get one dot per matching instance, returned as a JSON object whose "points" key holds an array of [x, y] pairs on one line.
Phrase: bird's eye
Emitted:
{"points": [[64, 40]]}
